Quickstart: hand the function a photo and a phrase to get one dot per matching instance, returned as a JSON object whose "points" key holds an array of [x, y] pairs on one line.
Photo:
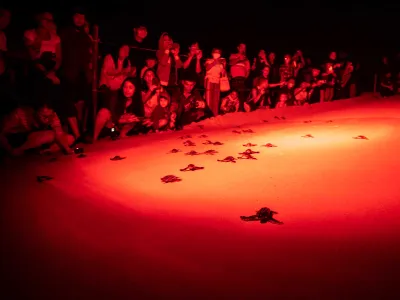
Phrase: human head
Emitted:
{"points": [[291, 83], [140, 32], [271, 57], [164, 101], [45, 20], [265, 71], [165, 42], [123, 52], [283, 98], [234, 94], [242, 48], [45, 113], [332, 55], [216, 53], [151, 62], [188, 85], [148, 77], [287, 59], [79, 18], [194, 48], [128, 88], [315, 72]]}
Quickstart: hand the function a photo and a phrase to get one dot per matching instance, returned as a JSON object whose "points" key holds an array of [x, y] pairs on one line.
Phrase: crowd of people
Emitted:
{"points": [[144, 91]]}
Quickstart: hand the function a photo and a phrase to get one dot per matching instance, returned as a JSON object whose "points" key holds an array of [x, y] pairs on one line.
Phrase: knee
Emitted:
{"points": [[104, 114], [70, 139]]}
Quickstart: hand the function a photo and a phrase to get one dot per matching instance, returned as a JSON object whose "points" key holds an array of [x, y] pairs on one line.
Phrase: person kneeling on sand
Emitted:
{"points": [[27, 129]]}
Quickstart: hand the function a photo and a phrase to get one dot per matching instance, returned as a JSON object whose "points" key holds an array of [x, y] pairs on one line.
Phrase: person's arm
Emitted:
{"points": [[210, 63], [198, 65], [234, 59], [187, 62], [61, 138], [178, 62], [247, 66], [223, 104]]}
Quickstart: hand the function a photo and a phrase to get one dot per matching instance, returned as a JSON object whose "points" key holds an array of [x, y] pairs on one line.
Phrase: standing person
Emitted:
{"points": [[76, 47], [240, 69], [215, 69], [168, 61], [139, 45]]}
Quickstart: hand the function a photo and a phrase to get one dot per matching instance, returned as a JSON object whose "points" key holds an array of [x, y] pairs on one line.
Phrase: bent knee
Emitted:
{"points": [[104, 113]]}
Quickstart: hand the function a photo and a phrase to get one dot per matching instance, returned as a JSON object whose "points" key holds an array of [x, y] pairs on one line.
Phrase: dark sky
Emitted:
{"points": [[315, 26]]}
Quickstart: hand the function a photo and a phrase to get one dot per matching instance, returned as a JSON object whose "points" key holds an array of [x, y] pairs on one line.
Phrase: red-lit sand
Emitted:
{"points": [[111, 230]]}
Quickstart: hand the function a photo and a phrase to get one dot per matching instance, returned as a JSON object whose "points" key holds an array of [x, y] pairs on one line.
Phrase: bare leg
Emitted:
{"points": [[103, 116], [125, 129], [73, 123], [321, 96], [80, 105], [55, 147], [37, 139]]}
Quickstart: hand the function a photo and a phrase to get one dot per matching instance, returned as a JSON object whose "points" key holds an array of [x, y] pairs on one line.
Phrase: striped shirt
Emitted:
{"points": [[23, 120]]}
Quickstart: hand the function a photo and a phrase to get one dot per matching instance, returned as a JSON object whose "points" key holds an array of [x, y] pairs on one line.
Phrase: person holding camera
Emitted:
{"points": [[187, 105], [192, 64], [168, 61]]}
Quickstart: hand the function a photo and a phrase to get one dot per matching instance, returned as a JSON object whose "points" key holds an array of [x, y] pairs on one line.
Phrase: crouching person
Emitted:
{"points": [[121, 113], [230, 103], [187, 105], [29, 129], [161, 116]]}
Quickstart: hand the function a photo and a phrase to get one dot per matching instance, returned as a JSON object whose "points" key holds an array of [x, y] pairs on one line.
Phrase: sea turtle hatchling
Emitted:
{"points": [[264, 215]]}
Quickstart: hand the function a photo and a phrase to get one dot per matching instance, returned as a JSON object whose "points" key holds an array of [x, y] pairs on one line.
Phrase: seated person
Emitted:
{"points": [[288, 89], [123, 116], [282, 102], [387, 87], [302, 93], [258, 96], [230, 103], [26, 129], [160, 118], [150, 63], [187, 105]]}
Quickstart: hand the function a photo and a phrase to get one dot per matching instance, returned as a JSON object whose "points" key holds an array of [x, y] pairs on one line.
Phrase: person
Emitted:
{"points": [[240, 70], [257, 96], [76, 72], [283, 98], [168, 61], [161, 115], [386, 85], [124, 116], [187, 105], [26, 128], [230, 103], [116, 68], [215, 69]]}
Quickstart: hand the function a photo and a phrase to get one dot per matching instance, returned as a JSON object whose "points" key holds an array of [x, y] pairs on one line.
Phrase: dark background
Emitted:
{"points": [[365, 30]]}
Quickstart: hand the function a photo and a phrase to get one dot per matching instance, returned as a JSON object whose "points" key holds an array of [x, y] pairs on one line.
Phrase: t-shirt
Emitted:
{"points": [[49, 45], [76, 48]]}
